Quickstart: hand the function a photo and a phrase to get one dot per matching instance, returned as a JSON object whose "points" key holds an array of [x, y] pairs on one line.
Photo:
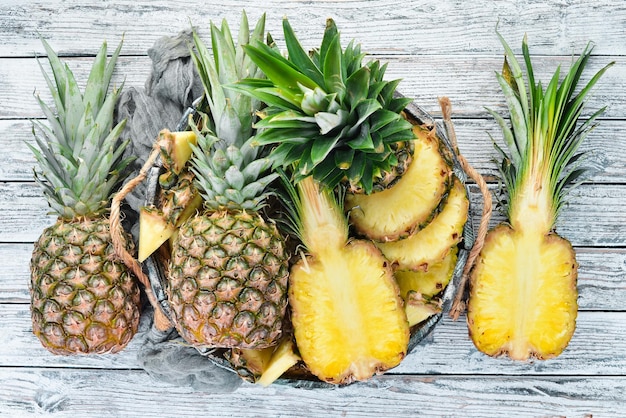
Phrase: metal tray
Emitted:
{"points": [[301, 378]]}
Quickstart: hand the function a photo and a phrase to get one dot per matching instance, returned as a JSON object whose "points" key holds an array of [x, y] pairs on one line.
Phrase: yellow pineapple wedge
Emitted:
{"points": [[433, 243], [420, 289], [523, 296], [418, 308], [176, 148], [431, 282], [281, 360], [348, 317], [179, 200], [412, 202]]}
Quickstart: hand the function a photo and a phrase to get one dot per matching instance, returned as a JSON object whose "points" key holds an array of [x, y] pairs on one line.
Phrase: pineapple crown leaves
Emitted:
{"points": [[544, 134], [78, 151], [232, 113], [229, 177], [229, 171], [329, 115], [314, 214]]}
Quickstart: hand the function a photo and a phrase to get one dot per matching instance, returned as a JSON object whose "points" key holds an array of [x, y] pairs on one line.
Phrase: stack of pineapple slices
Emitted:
{"points": [[417, 224], [336, 125]]}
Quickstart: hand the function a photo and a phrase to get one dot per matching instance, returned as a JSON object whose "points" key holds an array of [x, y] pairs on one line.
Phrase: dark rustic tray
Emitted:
{"points": [[299, 377]]}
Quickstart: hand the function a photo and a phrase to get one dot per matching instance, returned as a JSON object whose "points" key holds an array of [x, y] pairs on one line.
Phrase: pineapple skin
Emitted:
{"points": [[83, 300], [227, 282], [523, 295]]}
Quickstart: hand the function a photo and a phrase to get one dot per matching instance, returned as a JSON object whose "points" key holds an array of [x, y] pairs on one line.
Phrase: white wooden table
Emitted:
{"points": [[439, 48]]}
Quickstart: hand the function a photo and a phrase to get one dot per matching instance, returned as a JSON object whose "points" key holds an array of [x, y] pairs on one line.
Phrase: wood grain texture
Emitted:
{"points": [[593, 216], [72, 393], [438, 48], [598, 348], [601, 276], [383, 26], [605, 146], [468, 81]]}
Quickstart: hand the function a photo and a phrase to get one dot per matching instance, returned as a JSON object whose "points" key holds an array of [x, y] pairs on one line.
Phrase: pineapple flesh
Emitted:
{"points": [[432, 244], [348, 317], [83, 299], [523, 295], [415, 199], [228, 272]]}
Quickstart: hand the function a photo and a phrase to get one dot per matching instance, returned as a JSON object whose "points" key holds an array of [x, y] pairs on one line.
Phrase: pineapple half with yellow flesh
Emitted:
{"points": [[83, 299], [348, 317], [228, 272], [523, 295]]}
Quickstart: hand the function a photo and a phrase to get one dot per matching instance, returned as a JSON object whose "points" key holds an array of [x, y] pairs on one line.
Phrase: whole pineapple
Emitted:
{"points": [[229, 267], [335, 123], [83, 300], [523, 296]]}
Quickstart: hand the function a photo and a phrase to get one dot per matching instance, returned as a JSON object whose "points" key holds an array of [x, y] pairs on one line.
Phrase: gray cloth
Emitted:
{"points": [[171, 88]]}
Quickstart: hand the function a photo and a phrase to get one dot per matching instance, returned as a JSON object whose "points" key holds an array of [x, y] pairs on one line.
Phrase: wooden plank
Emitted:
{"points": [[474, 135], [70, 393], [598, 348], [593, 217], [400, 27], [468, 80], [600, 276]]}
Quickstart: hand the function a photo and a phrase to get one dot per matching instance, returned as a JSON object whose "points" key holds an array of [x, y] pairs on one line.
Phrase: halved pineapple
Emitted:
{"points": [[412, 202], [347, 313], [523, 296], [431, 245]]}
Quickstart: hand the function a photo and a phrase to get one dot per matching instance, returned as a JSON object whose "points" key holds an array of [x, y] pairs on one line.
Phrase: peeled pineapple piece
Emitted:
{"points": [[428, 283], [157, 225], [154, 230], [282, 359], [411, 202], [419, 309], [431, 245], [176, 148]]}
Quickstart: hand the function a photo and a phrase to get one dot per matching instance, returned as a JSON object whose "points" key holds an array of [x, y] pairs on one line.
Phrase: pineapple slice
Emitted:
{"points": [[419, 309], [347, 313], [428, 283], [431, 245], [281, 360], [411, 202], [176, 149], [523, 296], [419, 288]]}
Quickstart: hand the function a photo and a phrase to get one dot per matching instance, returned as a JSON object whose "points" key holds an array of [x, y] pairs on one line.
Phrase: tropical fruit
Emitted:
{"points": [[523, 295], [83, 300], [228, 271]]}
